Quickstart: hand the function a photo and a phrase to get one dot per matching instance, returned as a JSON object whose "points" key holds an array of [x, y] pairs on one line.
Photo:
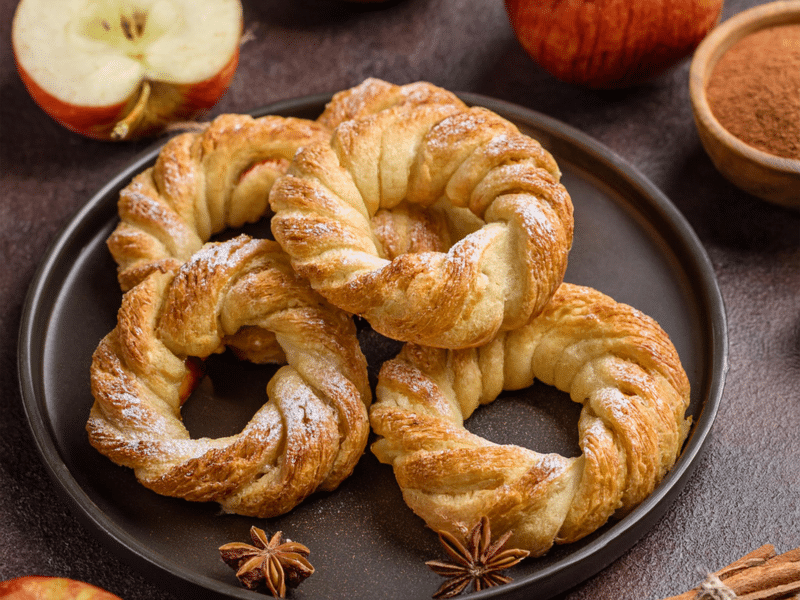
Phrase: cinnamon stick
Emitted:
{"points": [[763, 577], [759, 575], [781, 592]]}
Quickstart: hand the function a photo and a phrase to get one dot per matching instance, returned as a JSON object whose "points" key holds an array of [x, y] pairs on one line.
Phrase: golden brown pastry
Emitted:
{"points": [[375, 95], [498, 190], [404, 228], [202, 183], [307, 437], [614, 360]]}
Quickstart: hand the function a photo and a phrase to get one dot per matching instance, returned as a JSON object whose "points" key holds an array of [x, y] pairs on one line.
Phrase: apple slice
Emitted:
{"points": [[120, 69]]}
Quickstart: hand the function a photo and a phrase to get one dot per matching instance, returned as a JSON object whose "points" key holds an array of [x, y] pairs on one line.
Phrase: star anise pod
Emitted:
{"points": [[479, 562], [272, 561]]}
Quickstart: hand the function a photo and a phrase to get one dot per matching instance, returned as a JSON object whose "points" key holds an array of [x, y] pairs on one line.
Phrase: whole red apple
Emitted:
{"points": [[34, 587], [610, 43], [113, 70]]}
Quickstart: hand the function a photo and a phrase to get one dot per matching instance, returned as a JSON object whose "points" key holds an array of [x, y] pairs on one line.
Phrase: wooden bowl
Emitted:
{"points": [[759, 173]]}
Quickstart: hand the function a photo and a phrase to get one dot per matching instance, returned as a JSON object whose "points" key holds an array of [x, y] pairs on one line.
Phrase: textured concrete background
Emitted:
{"points": [[745, 490]]}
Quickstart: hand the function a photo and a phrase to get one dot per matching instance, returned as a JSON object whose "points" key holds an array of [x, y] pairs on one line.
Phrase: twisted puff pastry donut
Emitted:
{"points": [[608, 356], [202, 183], [307, 437], [498, 188]]}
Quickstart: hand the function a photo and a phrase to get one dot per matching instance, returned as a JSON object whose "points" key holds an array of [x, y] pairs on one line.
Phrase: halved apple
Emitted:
{"points": [[120, 69]]}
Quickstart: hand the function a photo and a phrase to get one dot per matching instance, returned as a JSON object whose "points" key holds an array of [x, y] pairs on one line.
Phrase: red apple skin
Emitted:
{"points": [[34, 587], [91, 121], [610, 43], [204, 94], [195, 371], [168, 104]]}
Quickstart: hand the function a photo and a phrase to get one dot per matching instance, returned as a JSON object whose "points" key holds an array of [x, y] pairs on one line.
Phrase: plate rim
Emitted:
{"points": [[550, 579]]}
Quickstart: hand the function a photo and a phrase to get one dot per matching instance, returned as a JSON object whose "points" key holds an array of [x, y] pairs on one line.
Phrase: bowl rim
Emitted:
{"points": [[708, 53]]}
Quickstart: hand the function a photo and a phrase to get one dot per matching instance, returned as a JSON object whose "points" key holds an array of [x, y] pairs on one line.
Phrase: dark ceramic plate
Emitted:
{"points": [[630, 242]]}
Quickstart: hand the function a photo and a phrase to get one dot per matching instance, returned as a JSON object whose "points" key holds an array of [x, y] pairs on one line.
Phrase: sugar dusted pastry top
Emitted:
{"points": [[374, 95]]}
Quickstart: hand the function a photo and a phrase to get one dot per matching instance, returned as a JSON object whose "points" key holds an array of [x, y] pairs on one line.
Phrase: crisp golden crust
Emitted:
{"points": [[201, 184], [614, 360], [438, 154], [374, 95], [307, 437]]}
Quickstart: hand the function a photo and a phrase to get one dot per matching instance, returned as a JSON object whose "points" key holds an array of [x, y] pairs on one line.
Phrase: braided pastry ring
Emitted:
{"points": [[203, 182], [513, 248], [307, 437], [614, 360]]}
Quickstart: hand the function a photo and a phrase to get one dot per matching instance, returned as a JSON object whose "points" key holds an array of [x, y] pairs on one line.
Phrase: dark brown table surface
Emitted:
{"points": [[746, 489]]}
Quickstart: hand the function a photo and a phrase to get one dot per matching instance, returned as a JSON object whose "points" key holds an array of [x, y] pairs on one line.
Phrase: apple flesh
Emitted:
{"points": [[610, 43], [34, 587], [109, 69]]}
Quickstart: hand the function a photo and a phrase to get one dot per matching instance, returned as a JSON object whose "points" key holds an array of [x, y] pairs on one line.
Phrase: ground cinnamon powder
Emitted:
{"points": [[754, 90]]}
